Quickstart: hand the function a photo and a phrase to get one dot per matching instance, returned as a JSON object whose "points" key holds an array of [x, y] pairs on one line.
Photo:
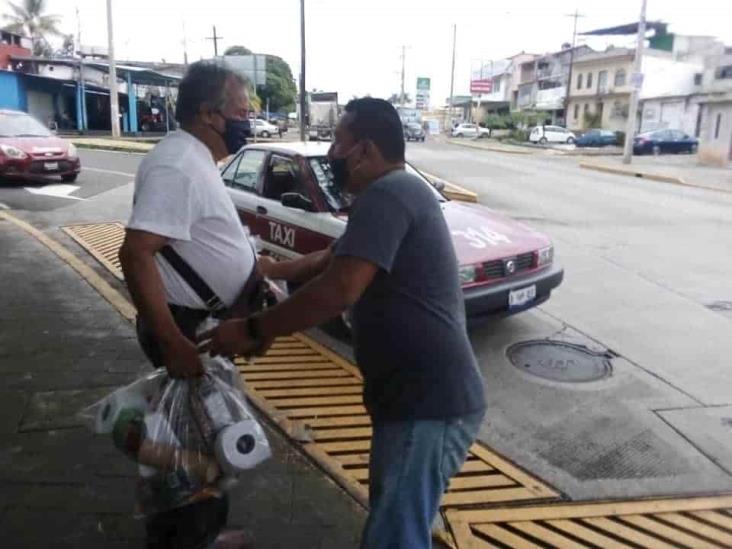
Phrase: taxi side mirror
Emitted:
{"points": [[296, 201]]}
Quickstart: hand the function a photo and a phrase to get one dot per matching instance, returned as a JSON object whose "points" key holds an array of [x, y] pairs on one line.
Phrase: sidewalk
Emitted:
{"points": [[61, 347], [678, 169]]}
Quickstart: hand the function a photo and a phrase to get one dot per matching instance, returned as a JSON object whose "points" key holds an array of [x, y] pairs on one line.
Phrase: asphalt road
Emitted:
{"points": [[101, 172], [646, 278]]}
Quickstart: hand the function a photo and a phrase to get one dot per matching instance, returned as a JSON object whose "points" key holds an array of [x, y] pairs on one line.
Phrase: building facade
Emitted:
{"points": [[600, 90], [543, 82]]}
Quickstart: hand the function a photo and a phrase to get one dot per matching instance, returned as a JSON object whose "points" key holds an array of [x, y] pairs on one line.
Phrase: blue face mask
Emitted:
{"points": [[236, 133]]}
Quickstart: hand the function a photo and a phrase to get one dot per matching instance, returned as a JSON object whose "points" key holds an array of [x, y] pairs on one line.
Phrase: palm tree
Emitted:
{"points": [[29, 18]]}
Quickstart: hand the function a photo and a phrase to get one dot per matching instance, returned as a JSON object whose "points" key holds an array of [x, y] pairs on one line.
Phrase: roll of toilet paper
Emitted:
{"points": [[241, 446], [110, 408]]}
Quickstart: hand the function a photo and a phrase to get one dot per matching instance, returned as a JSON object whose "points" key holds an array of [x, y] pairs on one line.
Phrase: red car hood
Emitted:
{"points": [[37, 145], [481, 235]]}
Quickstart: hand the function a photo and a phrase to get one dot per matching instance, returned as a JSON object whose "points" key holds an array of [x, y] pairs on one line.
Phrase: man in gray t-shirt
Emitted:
{"points": [[396, 266]]}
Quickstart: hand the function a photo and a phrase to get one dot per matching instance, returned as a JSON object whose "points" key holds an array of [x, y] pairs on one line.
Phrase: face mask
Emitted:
{"points": [[236, 133], [339, 168]]}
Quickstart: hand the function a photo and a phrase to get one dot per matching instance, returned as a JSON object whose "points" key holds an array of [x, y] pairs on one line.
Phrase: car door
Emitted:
{"points": [[287, 231], [243, 177]]}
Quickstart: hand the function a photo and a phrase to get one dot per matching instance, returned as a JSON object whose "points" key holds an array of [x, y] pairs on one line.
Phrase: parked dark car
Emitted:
{"points": [[664, 141], [598, 138], [413, 132]]}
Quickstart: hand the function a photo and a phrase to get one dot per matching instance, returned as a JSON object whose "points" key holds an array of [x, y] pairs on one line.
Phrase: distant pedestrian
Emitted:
{"points": [[396, 266]]}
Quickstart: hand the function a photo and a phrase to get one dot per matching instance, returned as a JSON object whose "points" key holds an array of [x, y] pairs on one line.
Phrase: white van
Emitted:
{"points": [[552, 134]]}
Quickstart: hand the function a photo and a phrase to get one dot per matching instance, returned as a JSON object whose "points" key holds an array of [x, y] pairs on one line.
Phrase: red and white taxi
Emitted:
{"points": [[284, 193], [28, 150]]}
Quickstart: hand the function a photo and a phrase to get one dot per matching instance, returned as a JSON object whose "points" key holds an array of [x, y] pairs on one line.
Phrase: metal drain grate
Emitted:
{"points": [[102, 241], [315, 396], [685, 522]]}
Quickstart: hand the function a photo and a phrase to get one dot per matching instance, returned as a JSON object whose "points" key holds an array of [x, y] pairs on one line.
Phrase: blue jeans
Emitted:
{"points": [[411, 465]]}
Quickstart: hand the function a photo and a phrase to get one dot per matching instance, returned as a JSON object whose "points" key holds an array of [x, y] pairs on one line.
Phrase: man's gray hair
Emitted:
{"points": [[204, 83]]}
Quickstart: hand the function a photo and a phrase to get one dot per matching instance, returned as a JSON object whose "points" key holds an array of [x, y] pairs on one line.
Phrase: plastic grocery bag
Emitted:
{"points": [[191, 437]]}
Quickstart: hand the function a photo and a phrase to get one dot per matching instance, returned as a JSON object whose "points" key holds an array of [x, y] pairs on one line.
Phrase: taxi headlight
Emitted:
{"points": [[468, 274], [545, 256]]}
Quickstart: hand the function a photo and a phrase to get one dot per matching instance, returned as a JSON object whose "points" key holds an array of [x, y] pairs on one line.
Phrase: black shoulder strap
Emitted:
{"points": [[197, 284]]}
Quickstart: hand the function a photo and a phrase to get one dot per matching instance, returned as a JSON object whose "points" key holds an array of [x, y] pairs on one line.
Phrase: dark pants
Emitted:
{"points": [[189, 527], [411, 465], [196, 525]]}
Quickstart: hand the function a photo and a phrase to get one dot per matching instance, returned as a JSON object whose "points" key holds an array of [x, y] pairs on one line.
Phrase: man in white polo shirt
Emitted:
{"points": [[181, 203]]}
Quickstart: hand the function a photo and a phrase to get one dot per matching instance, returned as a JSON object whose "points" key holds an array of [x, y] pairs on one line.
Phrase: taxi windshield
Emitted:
{"points": [[339, 201]]}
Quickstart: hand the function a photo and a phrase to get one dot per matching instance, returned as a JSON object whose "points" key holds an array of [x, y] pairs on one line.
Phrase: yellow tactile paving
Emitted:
{"points": [[319, 403], [695, 523]]}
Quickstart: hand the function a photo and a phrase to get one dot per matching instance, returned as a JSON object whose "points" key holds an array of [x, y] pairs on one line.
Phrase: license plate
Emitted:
{"points": [[519, 298], [50, 166]]}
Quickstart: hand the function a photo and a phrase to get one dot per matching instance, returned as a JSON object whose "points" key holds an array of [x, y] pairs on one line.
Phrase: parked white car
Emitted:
{"points": [[552, 134], [470, 130], [262, 128]]}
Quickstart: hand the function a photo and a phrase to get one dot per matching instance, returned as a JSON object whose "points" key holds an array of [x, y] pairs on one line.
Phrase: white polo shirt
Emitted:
{"points": [[179, 194]]}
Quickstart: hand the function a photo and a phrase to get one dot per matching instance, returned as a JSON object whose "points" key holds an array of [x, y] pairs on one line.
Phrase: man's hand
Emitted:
{"points": [[231, 338], [265, 264], [181, 359]]}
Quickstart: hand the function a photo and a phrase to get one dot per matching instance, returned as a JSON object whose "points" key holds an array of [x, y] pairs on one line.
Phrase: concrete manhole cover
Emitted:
{"points": [[560, 361]]}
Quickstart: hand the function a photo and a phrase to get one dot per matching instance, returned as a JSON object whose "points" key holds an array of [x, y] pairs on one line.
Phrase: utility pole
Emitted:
{"points": [[80, 124], [303, 92], [404, 55], [452, 78], [637, 83], [185, 44], [113, 98], [576, 15], [215, 39]]}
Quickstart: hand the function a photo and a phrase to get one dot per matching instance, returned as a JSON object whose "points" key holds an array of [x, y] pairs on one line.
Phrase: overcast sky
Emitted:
{"points": [[354, 47]]}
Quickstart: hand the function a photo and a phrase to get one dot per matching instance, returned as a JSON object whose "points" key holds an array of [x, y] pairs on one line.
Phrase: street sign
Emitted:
{"points": [[423, 84], [422, 98], [481, 86]]}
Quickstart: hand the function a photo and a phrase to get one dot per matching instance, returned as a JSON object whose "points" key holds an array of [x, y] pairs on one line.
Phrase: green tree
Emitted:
{"points": [[67, 46], [237, 50], [280, 86], [29, 18]]}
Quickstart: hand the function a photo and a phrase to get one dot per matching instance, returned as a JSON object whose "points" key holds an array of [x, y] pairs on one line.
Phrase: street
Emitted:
{"points": [[646, 281]]}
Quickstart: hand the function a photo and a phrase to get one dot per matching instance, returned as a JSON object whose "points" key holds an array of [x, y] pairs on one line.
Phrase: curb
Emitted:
{"points": [[113, 148], [491, 149], [649, 175], [452, 191], [635, 173]]}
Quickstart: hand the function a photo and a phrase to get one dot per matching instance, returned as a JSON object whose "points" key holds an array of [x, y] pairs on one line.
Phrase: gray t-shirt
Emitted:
{"points": [[409, 325]]}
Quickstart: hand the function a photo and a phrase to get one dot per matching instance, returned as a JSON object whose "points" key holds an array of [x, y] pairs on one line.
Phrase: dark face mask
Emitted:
{"points": [[236, 133], [339, 169]]}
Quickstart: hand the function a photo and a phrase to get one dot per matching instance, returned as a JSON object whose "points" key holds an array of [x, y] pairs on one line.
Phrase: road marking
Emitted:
{"points": [[60, 190], [4, 206], [113, 172]]}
